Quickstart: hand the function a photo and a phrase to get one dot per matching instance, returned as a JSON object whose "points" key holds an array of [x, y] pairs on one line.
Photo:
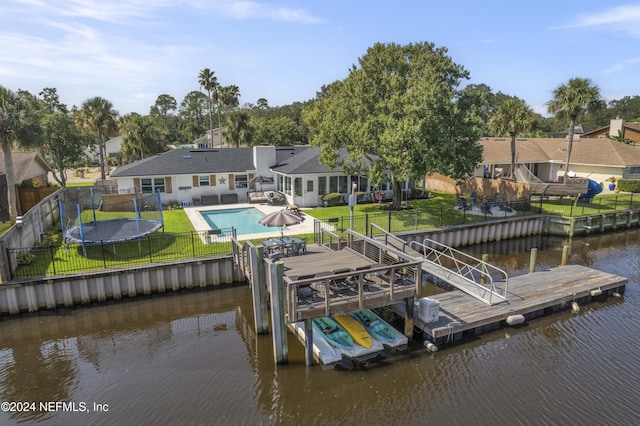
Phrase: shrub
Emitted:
{"points": [[49, 239], [629, 185], [25, 258], [332, 199]]}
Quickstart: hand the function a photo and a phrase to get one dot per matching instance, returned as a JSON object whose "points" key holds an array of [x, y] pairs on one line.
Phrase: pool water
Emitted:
{"points": [[245, 220]]}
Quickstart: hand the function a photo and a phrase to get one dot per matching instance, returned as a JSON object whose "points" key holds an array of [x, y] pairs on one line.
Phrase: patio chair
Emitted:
{"points": [[474, 198], [302, 245], [485, 208], [343, 285]]}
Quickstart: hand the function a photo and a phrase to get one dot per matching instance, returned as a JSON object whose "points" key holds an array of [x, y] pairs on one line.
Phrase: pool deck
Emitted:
{"points": [[200, 224]]}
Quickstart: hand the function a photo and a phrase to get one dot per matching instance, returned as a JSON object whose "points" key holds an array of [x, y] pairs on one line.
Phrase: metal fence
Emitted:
{"points": [[48, 260], [569, 206], [416, 219]]}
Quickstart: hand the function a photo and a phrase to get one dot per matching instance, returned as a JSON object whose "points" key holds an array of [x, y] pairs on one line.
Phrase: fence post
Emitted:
{"points": [[631, 201], [571, 210], [193, 245], [366, 225], [53, 259], [150, 252], [389, 222], [441, 213], [615, 206], [104, 258]]}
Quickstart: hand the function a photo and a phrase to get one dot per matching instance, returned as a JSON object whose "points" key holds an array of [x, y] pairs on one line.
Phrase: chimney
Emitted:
{"points": [[616, 127]]}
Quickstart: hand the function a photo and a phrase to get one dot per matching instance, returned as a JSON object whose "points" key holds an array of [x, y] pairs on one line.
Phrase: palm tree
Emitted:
{"points": [[237, 130], [209, 82], [97, 116], [229, 95], [19, 126], [570, 101], [513, 116]]}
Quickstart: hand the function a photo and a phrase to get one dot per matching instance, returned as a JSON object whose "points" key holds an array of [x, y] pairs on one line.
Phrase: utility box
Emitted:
{"points": [[428, 310]]}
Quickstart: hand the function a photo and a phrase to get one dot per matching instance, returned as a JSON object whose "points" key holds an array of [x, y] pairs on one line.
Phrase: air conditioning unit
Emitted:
{"points": [[428, 310]]}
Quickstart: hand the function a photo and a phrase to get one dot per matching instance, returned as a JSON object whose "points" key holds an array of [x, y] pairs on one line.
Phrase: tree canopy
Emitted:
{"points": [[512, 117], [570, 101], [97, 117], [19, 127], [398, 108]]}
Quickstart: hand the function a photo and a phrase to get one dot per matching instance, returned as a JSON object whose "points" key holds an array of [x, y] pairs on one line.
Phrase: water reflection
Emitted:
{"points": [[194, 358]]}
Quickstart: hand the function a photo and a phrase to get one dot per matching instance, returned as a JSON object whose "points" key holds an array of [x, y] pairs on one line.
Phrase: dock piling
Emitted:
{"points": [[533, 260], [565, 255]]}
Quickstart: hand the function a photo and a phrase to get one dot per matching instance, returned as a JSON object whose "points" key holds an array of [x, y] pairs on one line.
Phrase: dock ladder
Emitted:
{"points": [[474, 276]]}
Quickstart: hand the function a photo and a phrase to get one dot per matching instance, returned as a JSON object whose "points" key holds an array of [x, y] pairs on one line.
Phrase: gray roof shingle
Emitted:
{"points": [[198, 161]]}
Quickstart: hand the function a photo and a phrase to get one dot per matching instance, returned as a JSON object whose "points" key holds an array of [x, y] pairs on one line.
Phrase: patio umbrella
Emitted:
{"points": [[280, 218], [261, 179]]}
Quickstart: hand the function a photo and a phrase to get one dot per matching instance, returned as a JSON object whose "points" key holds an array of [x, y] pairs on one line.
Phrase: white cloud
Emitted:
{"points": [[245, 9], [619, 66], [620, 19]]}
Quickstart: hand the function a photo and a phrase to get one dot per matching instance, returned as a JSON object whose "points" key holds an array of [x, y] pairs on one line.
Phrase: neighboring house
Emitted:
{"points": [[596, 159], [27, 166], [617, 128], [112, 147], [211, 139], [216, 175], [578, 129]]}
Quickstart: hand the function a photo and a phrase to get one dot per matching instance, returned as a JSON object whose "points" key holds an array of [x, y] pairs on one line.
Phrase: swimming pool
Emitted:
{"points": [[245, 220]]}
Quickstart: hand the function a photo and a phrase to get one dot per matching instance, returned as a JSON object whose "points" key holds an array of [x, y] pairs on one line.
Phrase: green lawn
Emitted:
{"points": [[179, 240], [76, 184]]}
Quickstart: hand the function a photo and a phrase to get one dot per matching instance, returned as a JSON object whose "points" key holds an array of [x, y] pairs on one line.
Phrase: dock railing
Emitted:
{"points": [[474, 276]]}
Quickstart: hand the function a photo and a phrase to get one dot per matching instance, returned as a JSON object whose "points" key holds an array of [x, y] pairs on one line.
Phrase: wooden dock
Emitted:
{"points": [[530, 295]]}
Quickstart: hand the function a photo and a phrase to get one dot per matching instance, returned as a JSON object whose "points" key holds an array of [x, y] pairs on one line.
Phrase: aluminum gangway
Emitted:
{"points": [[474, 276]]}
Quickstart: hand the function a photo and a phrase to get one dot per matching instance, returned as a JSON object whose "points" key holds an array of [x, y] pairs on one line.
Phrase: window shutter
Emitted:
{"points": [[196, 181], [167, 184], [136, 184], [232, 183], [212, 180], [251, 184]]}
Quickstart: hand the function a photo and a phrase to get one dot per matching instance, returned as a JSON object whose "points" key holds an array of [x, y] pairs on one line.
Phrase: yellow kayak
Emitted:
{"points": [[355, 329]]}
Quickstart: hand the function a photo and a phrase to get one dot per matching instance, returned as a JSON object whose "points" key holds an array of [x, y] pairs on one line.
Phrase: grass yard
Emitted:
{"points": [[180, 241]]}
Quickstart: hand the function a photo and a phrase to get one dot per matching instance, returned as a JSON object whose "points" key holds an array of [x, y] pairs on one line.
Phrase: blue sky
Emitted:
{"points": [[131, 51]]}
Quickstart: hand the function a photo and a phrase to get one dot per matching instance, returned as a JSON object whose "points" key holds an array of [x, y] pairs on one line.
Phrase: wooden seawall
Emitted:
{"points": [[530, 295]]}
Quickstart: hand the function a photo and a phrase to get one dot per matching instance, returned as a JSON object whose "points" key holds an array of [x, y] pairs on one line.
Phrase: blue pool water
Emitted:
{"points": [[245, 220]]}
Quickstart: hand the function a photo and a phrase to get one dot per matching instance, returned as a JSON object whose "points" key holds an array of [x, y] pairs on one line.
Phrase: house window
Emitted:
{"points": [[297, 186], [310, 185], [333, 184], [204, 180], [152, 185], [342, 184], [241, 181], [322, 185]]}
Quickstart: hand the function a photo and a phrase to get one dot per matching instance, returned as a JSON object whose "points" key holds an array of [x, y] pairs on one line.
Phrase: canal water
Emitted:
{"points": [[193, 359]]}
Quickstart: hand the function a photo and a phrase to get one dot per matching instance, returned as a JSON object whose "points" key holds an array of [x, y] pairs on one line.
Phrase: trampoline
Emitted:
{"points": [[112, 231]]}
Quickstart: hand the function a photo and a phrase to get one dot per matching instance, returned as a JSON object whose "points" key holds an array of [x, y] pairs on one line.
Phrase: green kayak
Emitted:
{"points": [[374, 325], [333, 332]]}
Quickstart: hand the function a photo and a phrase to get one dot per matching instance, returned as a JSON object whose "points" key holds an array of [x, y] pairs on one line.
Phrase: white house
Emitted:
{"points": [[211, 176]]}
